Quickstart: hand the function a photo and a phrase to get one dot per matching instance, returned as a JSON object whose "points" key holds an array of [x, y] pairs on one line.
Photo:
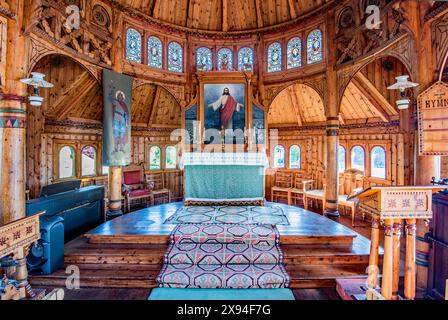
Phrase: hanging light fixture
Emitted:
{"points": [[402, 84], [36, 81]]}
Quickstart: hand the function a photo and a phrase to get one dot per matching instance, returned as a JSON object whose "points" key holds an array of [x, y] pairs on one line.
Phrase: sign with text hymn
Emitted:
{"points": [[433, 120]]}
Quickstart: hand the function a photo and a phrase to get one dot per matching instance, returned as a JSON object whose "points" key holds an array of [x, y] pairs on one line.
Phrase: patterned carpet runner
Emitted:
{"points": [[263, 215], [224, 256]]}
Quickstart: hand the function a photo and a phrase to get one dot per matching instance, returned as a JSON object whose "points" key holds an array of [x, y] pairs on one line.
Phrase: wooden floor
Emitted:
{"points": [[122, 257]]}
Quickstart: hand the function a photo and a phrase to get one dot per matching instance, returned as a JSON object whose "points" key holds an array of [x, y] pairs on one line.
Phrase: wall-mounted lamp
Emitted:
{"points": [[402, 84], [36, 81]]}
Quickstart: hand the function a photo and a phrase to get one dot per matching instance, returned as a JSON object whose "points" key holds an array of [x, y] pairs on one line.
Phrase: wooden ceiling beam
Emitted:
{"points": [[376, 93], [259, 13], [225, 18], [75, 95], [292, 9], [154, 106], [295, 104], [373, 95]]}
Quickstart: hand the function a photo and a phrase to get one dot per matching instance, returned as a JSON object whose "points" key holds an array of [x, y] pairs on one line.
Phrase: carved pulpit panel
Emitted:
{"points": [[19, 234]]}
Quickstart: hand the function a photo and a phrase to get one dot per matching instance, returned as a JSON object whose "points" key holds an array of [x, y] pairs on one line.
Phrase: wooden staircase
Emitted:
{"points": [[124, 262]]}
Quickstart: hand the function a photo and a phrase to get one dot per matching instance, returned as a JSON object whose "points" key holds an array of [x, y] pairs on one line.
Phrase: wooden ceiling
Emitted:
{"points": [[77, 95], [366, 98], [224, 15]]}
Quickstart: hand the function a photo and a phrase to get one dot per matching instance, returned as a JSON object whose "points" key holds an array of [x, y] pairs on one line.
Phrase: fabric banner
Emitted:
{"points": [[117, 101]]}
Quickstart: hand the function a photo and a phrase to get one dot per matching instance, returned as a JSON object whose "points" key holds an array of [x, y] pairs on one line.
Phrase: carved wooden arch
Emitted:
{"points": [[138, 83], [440, 40], [38, 51], [403, 50], [318, 84]]}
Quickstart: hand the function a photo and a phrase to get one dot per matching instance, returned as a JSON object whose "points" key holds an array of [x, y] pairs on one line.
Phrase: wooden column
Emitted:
{"points": [[386, 283], [410, 266], [116, 173], [372, 280], [12, 122], [396, 258], [332, 105], [331, 167]]}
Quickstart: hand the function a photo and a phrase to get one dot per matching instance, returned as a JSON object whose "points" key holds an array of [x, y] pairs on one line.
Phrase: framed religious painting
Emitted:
{"points": [[225, 106]]}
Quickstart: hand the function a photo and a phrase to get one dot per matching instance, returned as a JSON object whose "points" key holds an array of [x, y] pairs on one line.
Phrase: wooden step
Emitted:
{"points": [[164, 239], [143, 276]]}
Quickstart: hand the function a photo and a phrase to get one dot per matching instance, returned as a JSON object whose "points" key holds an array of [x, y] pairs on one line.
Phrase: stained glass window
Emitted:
{"points": [[175, 57], [133, 45], [294, 157], [155, 52], [341, 158], [246, 59], [204, 59], [274, 57], [88, 161], [66, 162], [225, 59], [279, 156], [358, 158], [314, 46], [171, 157], [154, 158], [378, 163], [294, 53]]}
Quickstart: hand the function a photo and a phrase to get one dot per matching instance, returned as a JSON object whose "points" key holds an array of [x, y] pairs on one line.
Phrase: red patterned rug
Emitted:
{"points": [[224, 256]]}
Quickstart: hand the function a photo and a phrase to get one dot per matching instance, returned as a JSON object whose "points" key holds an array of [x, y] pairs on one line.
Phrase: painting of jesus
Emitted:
{"points": [[225, 107]]}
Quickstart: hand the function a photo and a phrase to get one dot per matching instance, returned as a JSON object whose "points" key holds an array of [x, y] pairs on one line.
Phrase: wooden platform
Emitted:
{"points": [[127, 252]]}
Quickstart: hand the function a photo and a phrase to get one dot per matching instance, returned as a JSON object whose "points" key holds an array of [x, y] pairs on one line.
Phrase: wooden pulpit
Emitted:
{"points": [[392, 207]]}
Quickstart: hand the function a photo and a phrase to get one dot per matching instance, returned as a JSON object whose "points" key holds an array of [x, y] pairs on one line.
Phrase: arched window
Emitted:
{"points": [[314, 46], [133, 45], [171, 157], [274, 57], [378, 163], [154, 158], [294, 157], [279, 156], [358, 158], [225, 59], [105, 170], [175, 57], [294, 53], [155, 52], [66, 162], [246, 59], [88, 161], [341, 158], [438, 167], [204, 58]]}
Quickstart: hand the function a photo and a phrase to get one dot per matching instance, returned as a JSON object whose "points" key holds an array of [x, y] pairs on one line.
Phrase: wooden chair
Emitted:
{"points": [[282, 185], [135, 187], [157, 183], [300, 186]]}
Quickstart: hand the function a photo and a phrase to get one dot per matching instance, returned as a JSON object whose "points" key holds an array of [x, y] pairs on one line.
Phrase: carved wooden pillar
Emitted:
{"points": [[331, 173], [372, 280], [396, 257], [115, 173], [388, 260], [12, 122], [332, 105], [410, 269]]}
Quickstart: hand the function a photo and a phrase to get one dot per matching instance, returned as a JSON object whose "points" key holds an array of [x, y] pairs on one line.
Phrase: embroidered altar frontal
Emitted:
{"points": [[224, 183]]}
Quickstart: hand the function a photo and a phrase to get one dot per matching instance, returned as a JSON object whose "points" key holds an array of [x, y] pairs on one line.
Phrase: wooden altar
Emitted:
{"points": [[392, 207]]}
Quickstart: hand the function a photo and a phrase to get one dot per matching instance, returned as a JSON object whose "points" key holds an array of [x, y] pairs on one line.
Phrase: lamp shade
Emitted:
{"points": [[402, 84], [37, 81]]}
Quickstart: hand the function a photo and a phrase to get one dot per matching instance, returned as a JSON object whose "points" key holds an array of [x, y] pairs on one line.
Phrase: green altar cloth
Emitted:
{"points": [[224, 182]]}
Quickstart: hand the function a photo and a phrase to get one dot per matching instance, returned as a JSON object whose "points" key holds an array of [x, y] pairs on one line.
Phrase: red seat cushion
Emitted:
{"points": [[132, 177], [139, 193]]}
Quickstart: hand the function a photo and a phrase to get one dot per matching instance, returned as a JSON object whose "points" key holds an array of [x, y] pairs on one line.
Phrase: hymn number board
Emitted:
{"points": [[433, 120], [398, 202]]}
